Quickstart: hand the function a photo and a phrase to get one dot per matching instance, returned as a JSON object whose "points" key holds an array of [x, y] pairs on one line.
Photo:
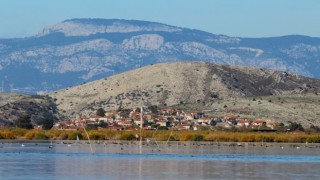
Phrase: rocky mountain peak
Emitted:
{"points": [[86, 27]]}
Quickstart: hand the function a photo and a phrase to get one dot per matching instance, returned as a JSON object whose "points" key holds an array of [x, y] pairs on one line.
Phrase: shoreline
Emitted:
{"points": [[126, 142]]}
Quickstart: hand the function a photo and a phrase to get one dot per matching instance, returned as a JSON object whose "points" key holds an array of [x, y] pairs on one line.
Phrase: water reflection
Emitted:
{"points": [[123, 161]]}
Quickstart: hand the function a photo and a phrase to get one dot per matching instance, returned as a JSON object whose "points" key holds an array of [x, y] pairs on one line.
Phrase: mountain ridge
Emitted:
{"points": [[56, 59]]}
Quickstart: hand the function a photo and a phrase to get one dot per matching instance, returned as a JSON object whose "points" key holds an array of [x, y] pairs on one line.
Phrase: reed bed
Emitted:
{"points": [[160, 135]]}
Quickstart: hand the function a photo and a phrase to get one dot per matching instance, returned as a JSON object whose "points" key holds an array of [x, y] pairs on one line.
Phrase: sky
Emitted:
{"points": [[237, 18]]}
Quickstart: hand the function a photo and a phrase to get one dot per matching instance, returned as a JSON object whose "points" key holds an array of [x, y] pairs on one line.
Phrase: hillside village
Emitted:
{"points": [[165, 118]]}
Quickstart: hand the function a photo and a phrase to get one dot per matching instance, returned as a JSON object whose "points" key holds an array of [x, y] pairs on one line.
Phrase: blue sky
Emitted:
{"points": [[241, 18]]}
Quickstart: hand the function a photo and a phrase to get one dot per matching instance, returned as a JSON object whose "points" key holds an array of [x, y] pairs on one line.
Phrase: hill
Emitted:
{"points": [[299, 108], [81, 50], [41, 110], [179, 83]]}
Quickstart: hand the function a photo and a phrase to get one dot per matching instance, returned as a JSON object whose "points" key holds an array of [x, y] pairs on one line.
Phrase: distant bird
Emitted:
{"points": [[50, 147], [22, 145], [281, 147], [298, 147]]}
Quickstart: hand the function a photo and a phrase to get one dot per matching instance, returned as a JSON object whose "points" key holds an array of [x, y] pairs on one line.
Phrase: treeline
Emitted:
{"points": [[160, 136]]}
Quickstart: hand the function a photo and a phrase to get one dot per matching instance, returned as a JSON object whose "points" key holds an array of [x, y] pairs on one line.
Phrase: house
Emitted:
{"points": [[224, 125], [230, 118], [101, 118], [116, 128], [204, 120], [134, 114], [94, 118], [183, 127], [272, 124], [162, 123], [258, 122], [148, 128], [150, 117], [188, 117], [125, 123], [243, 123], [61, 125]]}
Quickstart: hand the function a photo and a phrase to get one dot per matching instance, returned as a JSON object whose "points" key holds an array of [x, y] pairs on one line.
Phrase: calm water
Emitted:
{"points": [[174, 161]]}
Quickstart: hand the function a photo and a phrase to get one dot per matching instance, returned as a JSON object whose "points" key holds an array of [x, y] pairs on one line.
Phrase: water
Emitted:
{"points": [[174, 161]]}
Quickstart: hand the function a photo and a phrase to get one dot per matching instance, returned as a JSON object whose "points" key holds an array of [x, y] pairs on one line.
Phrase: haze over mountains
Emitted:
{"points": [[82, 50]]}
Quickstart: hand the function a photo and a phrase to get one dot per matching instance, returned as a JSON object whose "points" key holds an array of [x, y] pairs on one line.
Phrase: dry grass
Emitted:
{"points": [[163, 136]]}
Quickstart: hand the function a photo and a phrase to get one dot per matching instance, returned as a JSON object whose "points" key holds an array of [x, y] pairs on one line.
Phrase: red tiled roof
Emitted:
{"points": [[96, 117], [259, 121]]}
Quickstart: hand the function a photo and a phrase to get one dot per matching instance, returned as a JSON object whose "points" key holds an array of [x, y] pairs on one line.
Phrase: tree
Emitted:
{"points": [[91, 127], [294, 126], [47, 122], [138, 110], [213, 123], [101, 112], [153, 109], [103, 124], [24, 122], [162, 128]]}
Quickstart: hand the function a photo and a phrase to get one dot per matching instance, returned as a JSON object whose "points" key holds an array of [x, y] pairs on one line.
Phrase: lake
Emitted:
{"points": [[175, 160]]}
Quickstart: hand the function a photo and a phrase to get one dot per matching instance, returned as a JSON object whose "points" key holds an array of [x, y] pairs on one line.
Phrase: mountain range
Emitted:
{"points": [[80, 50]]}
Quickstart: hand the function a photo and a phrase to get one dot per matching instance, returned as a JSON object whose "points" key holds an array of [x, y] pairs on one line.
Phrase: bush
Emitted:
{"points": [[313, 139], [63, 136], [197, 137], [40, 136], [19, 132], [162, 128], [185, 137], [24, 122], [73, 135], [128, 137], [6, 135], [30, 134], [94, 135]]}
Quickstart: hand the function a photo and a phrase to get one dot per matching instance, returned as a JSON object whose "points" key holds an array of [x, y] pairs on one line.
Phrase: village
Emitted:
{"points": [[164, 119]]}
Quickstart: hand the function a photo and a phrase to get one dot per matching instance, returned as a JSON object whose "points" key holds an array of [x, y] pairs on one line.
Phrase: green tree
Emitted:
{"points": [[295, 126], [91, 127], [162, 128], [138, 110], [47, 122], [101, 112], [153, 109], [213, 123], [103, 124], [24, 122]]}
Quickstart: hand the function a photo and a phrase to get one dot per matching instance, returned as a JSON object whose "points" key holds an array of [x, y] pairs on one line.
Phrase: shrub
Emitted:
{"points": [[30, 134], [40, 136], [128, 137], [313, 139], [63, 136], [197, 137], [94, 135], [73, 135], [18, 132], [6, 135], [24, 122]]}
